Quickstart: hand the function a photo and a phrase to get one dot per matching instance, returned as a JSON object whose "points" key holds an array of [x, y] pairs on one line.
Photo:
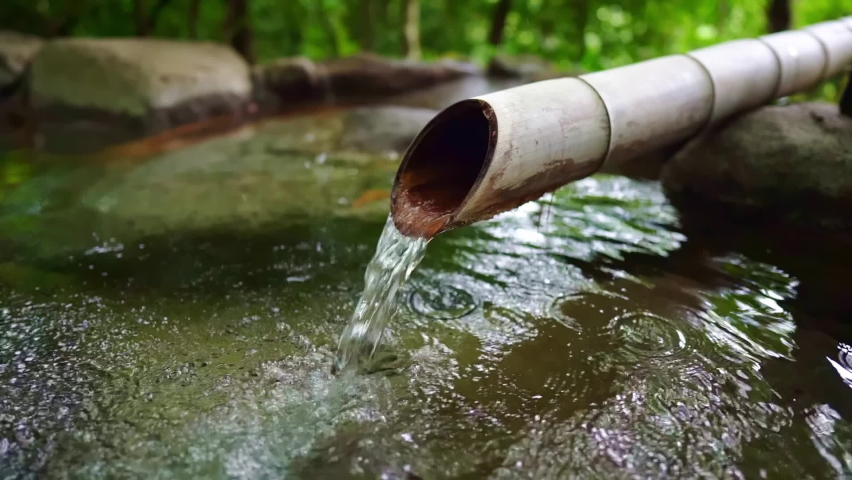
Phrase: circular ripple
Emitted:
{"points": [[590, 311], [442, 303], [646, 336], [610, 326]]}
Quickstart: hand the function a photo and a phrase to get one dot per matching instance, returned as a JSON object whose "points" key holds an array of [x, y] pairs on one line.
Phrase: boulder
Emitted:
{"points": [[111, 90], [297, 81], [16, 51], [285, 81], [790, 162]]}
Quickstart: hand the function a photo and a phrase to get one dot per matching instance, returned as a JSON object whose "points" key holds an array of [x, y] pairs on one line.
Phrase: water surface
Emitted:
{"points": [[178, 317]]}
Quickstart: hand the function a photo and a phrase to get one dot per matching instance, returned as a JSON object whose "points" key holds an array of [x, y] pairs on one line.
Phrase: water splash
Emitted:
{"points": [[396, 257]]}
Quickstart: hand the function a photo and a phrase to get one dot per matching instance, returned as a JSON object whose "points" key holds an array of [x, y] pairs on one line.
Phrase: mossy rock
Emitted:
{"points": [[16, 52], [288, 82], [128, 88], [791, 162]]}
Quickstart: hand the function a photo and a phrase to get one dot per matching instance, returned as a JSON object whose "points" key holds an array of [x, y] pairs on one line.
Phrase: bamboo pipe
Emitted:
{"points": [[491, 153]]}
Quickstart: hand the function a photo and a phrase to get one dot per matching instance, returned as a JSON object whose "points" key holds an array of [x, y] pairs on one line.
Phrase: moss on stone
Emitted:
{"points": [[135, 76]]}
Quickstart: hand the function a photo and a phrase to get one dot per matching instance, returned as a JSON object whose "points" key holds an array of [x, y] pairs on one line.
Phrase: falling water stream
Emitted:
{"points": [[396, 257]]}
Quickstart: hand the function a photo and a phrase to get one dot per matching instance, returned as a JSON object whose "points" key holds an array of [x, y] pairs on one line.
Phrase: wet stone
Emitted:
{"points": [[87, 93]]}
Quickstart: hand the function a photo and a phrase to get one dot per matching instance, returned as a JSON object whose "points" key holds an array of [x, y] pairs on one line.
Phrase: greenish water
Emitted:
{"points": [[178, 317]]}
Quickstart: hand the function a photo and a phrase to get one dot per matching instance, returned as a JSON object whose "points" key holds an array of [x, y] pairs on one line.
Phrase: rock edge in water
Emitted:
{"points": [[16, 52]]}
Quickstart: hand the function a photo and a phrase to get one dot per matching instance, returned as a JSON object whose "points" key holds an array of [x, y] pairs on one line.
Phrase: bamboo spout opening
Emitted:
{"points": [[441, 167]]}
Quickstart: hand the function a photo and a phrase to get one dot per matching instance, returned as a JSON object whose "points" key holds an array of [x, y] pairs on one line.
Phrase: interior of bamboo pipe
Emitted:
{"points": [[441, 167]]}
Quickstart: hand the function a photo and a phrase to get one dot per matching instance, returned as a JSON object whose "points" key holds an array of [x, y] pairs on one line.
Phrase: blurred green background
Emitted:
{"points": [[572, 33], [576, 35]]}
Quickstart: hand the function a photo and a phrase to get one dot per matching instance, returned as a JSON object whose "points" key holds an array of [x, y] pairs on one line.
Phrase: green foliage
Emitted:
{"points": [[588, 34]]}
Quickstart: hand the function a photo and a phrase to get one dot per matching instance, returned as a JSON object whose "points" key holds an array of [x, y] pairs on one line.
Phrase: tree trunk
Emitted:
{"points": [[194, 7], [297, 17], [154, 17], [65, 27], [778, 15], [146, 23], [411, 29], [581, 19], [327, 27], [723, 12], [141, 18], [367, 25], [547, 20], [846, 99], [242, 38], [498, 23]]}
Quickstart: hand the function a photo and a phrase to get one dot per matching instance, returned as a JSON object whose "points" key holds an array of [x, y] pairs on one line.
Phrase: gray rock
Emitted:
{"points": [[118, 89], [793, 162], [16, 51], [290, 82], [285, 80]]}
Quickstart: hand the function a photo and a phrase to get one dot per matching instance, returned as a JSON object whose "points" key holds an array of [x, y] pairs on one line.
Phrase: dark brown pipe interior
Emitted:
{"points": [[440, 168]]}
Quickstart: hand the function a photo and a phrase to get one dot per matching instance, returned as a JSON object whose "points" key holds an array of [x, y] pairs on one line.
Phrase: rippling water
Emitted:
{"points": [[595, 333]]}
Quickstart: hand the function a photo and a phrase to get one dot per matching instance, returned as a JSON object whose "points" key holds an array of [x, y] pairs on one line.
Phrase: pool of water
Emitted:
{"points": [[177, 316]]}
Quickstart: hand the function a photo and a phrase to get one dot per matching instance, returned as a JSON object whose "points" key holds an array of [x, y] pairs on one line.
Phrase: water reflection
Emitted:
{"points": [[843, 365]]}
